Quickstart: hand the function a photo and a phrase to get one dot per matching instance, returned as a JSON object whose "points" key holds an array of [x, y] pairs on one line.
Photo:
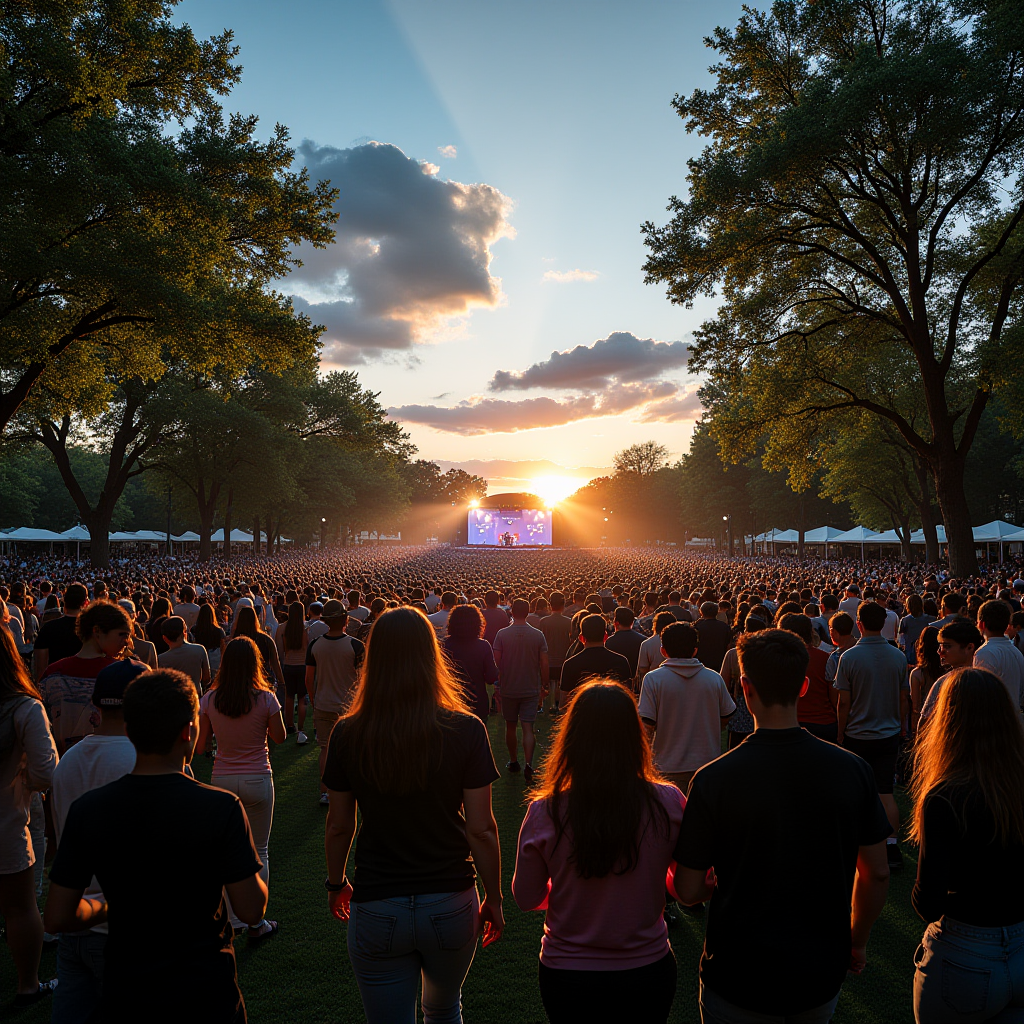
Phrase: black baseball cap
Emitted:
{"points": [[112, 681]]}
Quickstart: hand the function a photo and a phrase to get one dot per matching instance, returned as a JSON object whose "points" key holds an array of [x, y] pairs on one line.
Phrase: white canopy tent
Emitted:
{"points": [[995, 532], [858, 535], [917, 537], [822, 535]]}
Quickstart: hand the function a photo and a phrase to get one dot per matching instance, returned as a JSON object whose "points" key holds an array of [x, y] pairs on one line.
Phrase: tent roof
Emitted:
{"points": [[77, 533], [779, 536], [27, 533], [187, 535], [889, 537], [858, 535], [996, 530], [917, 537], [237, 537], [821, 535]]}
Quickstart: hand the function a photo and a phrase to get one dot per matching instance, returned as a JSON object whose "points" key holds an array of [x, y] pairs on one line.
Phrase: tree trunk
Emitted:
{"points": [[207, 505], [270, 534], [98, 525], [228, 509], [949, 489], [904, 533]]}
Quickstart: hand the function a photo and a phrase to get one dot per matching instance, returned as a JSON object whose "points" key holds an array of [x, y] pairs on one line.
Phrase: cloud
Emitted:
{"points": [[501, 416], [562, 276], [448, 152], [411, 250], [620, 358], [684, 405]]}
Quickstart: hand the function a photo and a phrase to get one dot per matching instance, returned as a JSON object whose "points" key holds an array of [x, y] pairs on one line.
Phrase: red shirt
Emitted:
{"points": [[815, 706]]}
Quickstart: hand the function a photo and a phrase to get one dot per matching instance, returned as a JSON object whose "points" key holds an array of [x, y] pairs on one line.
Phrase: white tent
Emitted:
{"points": [[121, 537], [889, 537], [822, 535], [237, 537], [996, 531], [858, 535], [77, 534], [917, 537], [32, 536], [189, 536]]}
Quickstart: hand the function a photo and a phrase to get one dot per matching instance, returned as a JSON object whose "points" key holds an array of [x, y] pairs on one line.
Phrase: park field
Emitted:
{"points": [[303, 973]]}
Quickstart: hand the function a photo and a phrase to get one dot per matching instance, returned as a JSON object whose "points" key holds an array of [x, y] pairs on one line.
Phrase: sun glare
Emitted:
{"points": [[553, 489]]}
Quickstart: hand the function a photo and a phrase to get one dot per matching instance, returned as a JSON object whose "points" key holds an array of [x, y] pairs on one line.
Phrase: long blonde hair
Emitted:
{"points": [[394, 724], [974, 738]]}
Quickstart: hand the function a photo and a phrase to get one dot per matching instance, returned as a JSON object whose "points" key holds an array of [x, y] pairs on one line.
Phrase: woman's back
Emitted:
{"points": [[593, 924], [242, 741]]}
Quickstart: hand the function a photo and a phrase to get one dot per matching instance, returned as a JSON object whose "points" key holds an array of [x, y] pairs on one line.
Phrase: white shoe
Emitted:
{"points": [[324, 799], [301, 739]]}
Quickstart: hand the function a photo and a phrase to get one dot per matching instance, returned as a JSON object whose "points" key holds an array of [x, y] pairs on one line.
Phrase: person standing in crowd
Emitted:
{"points": [[333, 661], [927, 670], [521, 654], [684, 707], [715, 636], [650, 656], [59, 639], [556, 628], [912, 625], [248, 624], [315, 625], [470, 656], [157, 823], [417, 765], [207, 632], [182, 655], [94, 761], [843, 633], [595, 660], [495, 618], [67, 684], [750, 817], [594, 851], [959, 640], [625, 640], [874, 698], [968, 822], [816, 707], [439, 619], [139, 648], [186, 608], [741, 722], [242, 712], [292, 641], [28, 756], [997, 653]]}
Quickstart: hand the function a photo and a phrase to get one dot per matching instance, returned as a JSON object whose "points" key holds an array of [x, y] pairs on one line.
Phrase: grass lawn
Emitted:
{"points": [[303, 973]]}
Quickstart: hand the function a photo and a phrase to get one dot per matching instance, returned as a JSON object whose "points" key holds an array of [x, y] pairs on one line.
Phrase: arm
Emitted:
{"points": [[869, 891], [531, 882], [276, 729], [205, 677], [690, 886], [650, 728], [482, 833], [205, 730], [248, 899], [341, 830], [276, 666], [904, 707], [67, 911], [40, 750], [842, 713]]}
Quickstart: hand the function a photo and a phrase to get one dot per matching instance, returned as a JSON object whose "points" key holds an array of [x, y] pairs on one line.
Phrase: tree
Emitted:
{"points": [[133, 216], [860, 199], [643, 459]]}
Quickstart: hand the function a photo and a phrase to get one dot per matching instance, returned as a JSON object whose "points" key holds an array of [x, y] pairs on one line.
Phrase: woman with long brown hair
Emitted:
{"points": [[594, 851], [292, 639], [247, 624], [28, 756], [968, 822], [471, 656], [242, 711], [927, 670], [417, 764]]}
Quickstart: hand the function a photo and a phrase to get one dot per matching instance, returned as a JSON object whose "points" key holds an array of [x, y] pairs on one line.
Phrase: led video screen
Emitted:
{"points": [[509, 528]]}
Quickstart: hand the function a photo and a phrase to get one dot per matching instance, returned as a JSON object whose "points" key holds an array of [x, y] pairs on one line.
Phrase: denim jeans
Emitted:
{"points": [[966, 974], [79, 978], [394, 943], [257, 795], [716, 1010]]}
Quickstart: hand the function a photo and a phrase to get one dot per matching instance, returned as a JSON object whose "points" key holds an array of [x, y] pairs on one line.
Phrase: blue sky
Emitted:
{"points": [[447, 285]]}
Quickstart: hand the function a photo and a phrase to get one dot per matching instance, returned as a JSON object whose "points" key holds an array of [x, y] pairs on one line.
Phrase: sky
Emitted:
{"points": [[495, 163]]}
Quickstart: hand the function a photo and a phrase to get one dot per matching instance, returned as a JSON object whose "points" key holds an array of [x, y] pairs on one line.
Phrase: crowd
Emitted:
{"points": [[832, 683]]}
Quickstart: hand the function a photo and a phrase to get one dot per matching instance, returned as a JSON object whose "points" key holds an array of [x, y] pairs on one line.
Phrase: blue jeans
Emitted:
{"points": [[966, 974], [716, 1010], [79, 978], [393, 943]]}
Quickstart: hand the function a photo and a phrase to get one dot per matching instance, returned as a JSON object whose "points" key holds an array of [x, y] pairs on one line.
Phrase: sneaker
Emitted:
{"points": [[512, 766], [528, 773], [324, 799], [301, 739], [540, 710], [894, 857]]}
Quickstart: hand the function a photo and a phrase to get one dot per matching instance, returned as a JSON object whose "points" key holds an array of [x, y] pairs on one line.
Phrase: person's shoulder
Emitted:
{"points": [[62, 667]]}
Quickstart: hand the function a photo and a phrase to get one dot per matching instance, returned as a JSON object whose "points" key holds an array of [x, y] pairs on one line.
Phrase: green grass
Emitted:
{"points": [[303, 974]]}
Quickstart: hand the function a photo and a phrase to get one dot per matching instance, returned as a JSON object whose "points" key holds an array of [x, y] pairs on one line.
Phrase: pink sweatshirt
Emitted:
{"points": [[596, 924]]}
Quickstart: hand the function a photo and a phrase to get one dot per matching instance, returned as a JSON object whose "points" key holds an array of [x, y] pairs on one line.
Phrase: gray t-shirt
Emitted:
{"points": [[518, 649], [188, 658], [874, 672]]}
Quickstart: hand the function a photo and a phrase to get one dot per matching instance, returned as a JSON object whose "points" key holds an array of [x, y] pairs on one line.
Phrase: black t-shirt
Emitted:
{"points": [[781, 818], [715, 640], [162, 847], [59, 638], [627, 643], [962, 870], [592, 662], [414, 844]]}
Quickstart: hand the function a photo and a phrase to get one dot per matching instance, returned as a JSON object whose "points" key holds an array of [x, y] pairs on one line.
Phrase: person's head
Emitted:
{"points": [[624, 617], [491, 598], [829, 604], [679, 640], [335, 614], [353, 599], [994, 617], [709, 610], [14, 677], [840, 628], [111, 683], [466, 622], [557, 602], [241, 673], [76, 597], [799, 624], [205, 620], [914, 605], [927, 651], [958, 640], [316, 609], [952, 603], [661, 621], [394, 724], [520, 608], [754, 623], [597, 779], [187, 594], [773, 668], [246, 622], [1016, 624], [593, 630], [973, 739], [294, 627], [871, 617], [106, 625], [450, 599], [172, 629], [161, 713]]}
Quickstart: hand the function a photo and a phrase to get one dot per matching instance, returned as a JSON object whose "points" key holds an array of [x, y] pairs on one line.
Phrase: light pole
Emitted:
{"points": [[323, 527], [727, 519]]}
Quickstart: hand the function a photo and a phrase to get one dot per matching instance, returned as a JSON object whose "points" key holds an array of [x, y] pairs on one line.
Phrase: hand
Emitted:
{"points": [[858, 959], [339, 902], [491, 921]]}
